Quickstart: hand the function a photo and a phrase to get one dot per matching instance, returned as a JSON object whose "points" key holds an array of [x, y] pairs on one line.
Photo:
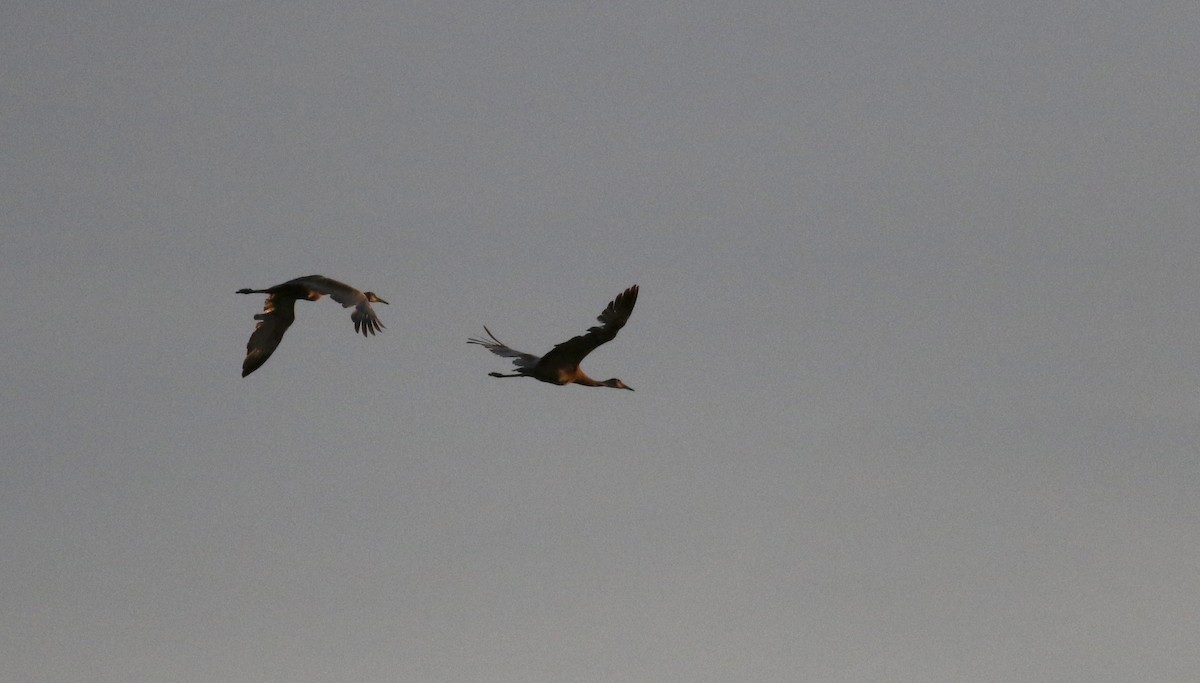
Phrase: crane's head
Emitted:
{"points": [[616, 384], [374, 298]]}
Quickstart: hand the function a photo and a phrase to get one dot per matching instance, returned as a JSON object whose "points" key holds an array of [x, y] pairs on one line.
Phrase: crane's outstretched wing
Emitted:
{"points": [[520, 359], [364, 318], [614, 317], [363, 315], [277, 316]]}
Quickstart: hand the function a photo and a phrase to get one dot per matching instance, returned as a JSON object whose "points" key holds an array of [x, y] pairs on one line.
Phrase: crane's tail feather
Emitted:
{"points": [[519, 358]]}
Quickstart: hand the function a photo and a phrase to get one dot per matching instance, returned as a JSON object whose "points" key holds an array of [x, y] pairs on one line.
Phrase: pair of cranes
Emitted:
{"points": [[559, 366]]}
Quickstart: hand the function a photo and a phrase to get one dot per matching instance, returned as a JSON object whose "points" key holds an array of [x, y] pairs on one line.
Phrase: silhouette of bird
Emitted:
{"points": [[561, 364], [279, 313]]}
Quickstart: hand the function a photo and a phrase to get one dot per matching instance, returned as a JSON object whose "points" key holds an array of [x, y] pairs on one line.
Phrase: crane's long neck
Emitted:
{"points": [[586, 381]]}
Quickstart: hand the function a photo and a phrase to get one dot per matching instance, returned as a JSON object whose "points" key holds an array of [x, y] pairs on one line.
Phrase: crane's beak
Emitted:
{"points": [[628, 387], [382, 301]]}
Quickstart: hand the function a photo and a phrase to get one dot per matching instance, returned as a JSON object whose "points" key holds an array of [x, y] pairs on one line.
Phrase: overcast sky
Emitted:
{"points": [[915, 356]]}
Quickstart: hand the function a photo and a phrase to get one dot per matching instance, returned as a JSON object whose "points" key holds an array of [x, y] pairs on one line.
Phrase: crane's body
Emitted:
{"points": [[279, 312], [561, 364]]}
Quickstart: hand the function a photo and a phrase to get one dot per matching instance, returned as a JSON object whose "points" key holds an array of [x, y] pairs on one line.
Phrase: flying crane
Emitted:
{"points": [[561, 364], [279, 313]]}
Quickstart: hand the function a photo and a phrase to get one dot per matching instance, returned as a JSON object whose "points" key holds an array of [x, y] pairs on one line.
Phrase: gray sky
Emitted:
{"points": [[915, 353]]}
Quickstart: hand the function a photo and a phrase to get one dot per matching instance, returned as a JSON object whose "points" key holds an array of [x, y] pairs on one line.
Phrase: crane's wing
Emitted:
{"points": [[363, 315], [277, 316], [521, 360], [365, 319], [614, 317]]}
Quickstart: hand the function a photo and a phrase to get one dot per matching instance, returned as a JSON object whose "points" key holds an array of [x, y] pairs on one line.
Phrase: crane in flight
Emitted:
{"points": [[279, 311], [561, 364]]}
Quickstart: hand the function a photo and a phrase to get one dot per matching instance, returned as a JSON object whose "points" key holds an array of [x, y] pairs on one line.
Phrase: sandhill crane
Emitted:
{"points": [[279, 312], [561, 364]]}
